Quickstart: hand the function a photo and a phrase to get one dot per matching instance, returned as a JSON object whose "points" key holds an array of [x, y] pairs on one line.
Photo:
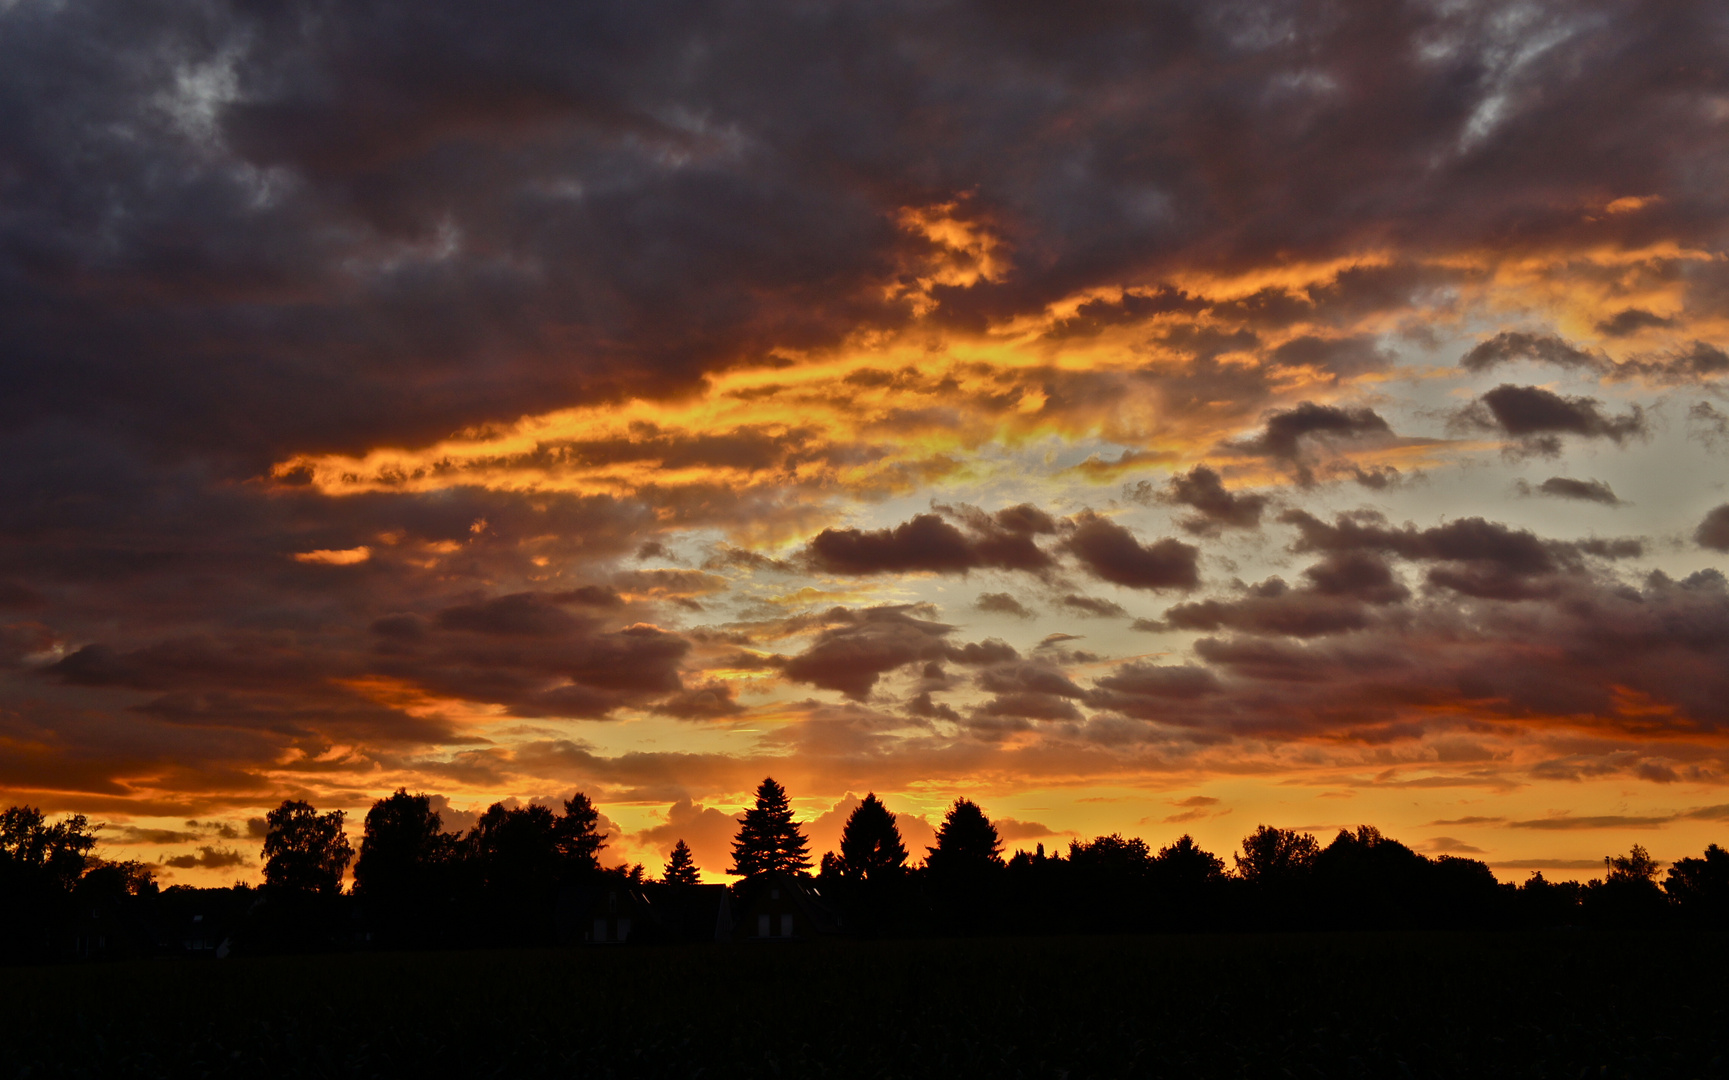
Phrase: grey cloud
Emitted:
{"points": [[1562, 487], [1512, 345], [1537, 418]]}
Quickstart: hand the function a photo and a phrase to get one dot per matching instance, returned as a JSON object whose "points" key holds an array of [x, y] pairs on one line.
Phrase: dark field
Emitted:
{"points": [[1364, 1005]]}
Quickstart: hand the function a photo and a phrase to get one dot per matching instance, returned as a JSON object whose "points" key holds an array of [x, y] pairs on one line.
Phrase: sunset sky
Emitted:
{"points": [[1136, 417]]}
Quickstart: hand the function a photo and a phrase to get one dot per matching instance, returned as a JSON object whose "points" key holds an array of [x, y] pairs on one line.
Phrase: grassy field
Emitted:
{"points": [[1299, 1006]]}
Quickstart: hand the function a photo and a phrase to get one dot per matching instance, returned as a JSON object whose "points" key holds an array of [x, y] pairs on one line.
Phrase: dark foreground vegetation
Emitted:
{"points": [[1298, 1005], [527, 876]]}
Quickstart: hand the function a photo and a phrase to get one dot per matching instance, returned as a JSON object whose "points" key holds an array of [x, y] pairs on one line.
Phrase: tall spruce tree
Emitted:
{"points": [[769, 840], [870, 845], [681, 868]]}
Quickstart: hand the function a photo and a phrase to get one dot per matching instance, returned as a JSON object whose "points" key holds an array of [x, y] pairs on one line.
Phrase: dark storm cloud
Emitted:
{"points": [[324, 208], [1562, 487], [927, 543], [1111, 553], [1215, 507]]}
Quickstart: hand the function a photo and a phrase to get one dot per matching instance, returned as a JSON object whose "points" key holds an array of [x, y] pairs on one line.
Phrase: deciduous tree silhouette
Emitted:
{"points": [[39, 866], [1276, 856], [404, 837], [1628, 895], [1186, 861], [305, 852], [1700, 888], [1635, 866], [33, 850], [966, 841], [870, 843], [769, 841], [681, 868]]}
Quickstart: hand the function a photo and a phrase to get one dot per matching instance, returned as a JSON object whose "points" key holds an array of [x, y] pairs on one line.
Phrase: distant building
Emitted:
{"points": [[780, 907]]}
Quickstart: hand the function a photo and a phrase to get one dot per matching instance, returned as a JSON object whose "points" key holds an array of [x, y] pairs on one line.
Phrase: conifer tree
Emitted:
{"points": [[870, 845], [681, 869], [769, 840], [578, 836], [966, 842]]}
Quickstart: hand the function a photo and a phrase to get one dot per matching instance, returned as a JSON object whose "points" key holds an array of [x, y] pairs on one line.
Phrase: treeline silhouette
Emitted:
{"points": [[528, 875]]}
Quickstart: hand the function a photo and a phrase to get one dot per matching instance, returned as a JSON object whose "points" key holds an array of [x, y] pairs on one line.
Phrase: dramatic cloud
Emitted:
{"points": [[642, 398]]}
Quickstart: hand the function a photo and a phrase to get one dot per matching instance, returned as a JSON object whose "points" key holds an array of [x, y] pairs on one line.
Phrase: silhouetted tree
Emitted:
{"points": [[681, 868], [516, 847], [40, 864], [870, 842], [1189, 887], [1635, 866], [1115, 876], [1186, 861], [404, 837], [769, 841], [406, 873], [32, 849], [1700, 888], [578, 837], [305, 851], [1276, 855], [1114, 857], [1543, 903], [1365, 880], [966, 841], [1628, 895]]}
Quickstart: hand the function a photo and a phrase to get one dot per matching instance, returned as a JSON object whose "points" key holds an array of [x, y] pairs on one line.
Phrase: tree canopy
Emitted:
{"points": [[305, 851], [404, 837], [769, 841], [966, 841]]}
